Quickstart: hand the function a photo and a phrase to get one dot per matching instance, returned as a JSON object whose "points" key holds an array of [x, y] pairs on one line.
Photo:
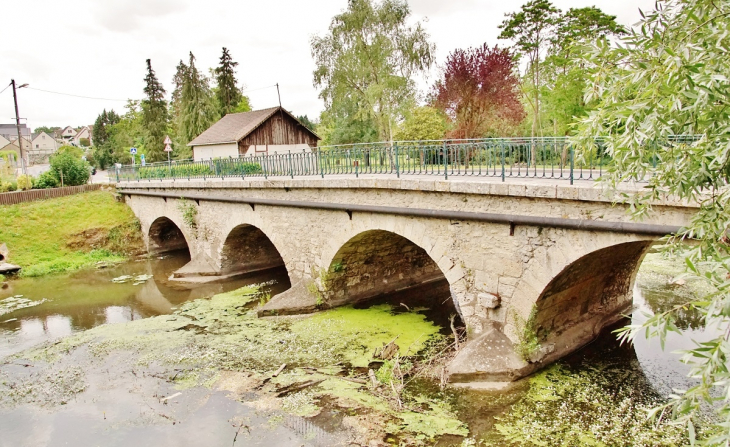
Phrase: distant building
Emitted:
{"points": [[67, 133], [81, 133], [258, 132], [42, 146], [10, 131]]}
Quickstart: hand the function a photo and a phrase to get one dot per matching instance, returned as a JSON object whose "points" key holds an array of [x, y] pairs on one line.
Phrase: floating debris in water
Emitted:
{"points": [[17, 302], [136, 280]]}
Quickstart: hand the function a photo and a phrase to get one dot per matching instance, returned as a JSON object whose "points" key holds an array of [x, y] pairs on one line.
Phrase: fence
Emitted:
{"points": [[499, 157], [12, 198]]}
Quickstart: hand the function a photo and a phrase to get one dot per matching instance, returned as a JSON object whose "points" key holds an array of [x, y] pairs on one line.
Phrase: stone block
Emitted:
{"points": [[506, 290], [488, 300]]}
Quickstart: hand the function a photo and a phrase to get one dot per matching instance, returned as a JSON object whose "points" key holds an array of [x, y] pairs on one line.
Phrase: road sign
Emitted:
{"points": [[167, 141], [133, 150], [168, 148]]}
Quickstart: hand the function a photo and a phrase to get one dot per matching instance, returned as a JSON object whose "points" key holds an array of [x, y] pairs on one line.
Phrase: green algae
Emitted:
{"points": [[358, 332], [588, 407]]}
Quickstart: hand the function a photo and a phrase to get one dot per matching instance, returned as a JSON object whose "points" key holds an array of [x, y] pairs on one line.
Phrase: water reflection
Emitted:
{"points": [[88, 298]]}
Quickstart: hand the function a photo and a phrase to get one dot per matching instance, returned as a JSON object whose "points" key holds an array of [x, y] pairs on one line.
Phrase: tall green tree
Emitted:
{"points": [[531, 29], [227, 93], [102, 134], [179, 141], [155, 116], [563, 77], [197, 105], [670, 76], [368, 59]]}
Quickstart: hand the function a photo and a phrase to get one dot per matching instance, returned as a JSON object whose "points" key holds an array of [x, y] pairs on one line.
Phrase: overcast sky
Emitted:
{"points": [[97, 48]]}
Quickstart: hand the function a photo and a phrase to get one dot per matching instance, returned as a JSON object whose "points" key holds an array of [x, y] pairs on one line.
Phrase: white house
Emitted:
{"points": [[257, 132], [83, 132], [43, 142]]}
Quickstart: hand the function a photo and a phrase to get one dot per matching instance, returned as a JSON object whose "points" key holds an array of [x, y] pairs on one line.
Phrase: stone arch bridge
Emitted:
{"points": [[551, 262]]}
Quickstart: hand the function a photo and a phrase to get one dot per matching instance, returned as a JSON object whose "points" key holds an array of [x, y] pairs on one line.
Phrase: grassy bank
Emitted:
{"points": [[68, 233]]}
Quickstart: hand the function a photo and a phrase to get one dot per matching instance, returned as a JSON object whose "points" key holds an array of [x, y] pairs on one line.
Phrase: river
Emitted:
{"points": [[75, 302]]}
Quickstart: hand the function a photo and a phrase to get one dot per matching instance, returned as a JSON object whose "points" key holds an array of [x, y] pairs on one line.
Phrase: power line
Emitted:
{"points": [[75, 96], [7, 87], [257, 89]]}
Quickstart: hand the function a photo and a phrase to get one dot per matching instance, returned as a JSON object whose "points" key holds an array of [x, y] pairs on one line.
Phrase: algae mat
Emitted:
{"points": [[220, 344]]}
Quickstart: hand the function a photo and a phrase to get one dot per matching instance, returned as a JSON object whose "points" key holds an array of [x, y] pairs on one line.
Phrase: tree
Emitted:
{"points": [[228, 94], [531, 29], [101, 133], [563, 75], [670, 77], [422, 123], [47, 129], [154, 115], [197, 107], [308, 123], [479, 92], [368, 59]]}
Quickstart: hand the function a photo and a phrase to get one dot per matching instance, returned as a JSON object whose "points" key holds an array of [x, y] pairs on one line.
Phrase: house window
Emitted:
{"points": [[36, 146]]}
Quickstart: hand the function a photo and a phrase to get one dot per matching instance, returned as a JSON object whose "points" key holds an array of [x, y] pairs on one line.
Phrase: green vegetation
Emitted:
{"points": [[669, 77], [189, 213], [69, 233], [563, 407]]}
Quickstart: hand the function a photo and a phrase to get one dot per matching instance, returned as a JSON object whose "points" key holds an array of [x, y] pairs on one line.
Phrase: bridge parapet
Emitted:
{"points": [[552, 261]]}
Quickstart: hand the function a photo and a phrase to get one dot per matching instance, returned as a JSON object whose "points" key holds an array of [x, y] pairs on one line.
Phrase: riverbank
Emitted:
{"points": [[69, 233]]}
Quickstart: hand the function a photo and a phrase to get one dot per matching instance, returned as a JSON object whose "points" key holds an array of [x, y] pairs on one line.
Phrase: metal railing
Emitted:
{"points": [[552, 158]]}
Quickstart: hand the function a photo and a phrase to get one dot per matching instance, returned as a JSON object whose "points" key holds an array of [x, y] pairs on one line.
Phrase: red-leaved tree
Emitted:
{"points": [[479, 92]]}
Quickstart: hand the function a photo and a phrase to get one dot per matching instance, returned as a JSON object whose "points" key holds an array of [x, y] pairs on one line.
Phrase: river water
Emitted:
{"points": [[85, 299]]}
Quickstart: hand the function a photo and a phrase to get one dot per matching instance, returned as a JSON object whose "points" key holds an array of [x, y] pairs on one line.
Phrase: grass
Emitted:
{"points": [[68, 233]]}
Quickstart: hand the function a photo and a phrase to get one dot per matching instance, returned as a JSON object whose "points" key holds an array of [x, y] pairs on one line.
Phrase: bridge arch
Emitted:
{"points": [[379, 263], [164, 236], [247, 249], [589, 293]]}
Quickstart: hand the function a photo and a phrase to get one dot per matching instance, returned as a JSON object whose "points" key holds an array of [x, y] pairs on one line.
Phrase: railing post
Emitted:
{"points": [[319, 157], [572, 155], [446, 163], [291, 169], [502, 146], [397, 167]]}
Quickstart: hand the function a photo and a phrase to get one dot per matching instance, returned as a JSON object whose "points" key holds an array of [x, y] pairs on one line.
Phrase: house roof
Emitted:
{"points": [[235, 126]]}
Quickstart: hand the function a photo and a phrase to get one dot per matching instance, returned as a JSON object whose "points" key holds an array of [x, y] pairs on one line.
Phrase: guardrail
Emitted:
{"points": [[500, 157]]}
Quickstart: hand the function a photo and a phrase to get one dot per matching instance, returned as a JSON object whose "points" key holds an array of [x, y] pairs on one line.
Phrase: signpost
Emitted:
{"points": [[133, 152]]}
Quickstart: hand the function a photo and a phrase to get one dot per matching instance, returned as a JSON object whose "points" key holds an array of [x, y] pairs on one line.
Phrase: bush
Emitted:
{"points": [[72, 170], [46, 180], [76, 152], [84, 142], [25, 182], [7, 186]]}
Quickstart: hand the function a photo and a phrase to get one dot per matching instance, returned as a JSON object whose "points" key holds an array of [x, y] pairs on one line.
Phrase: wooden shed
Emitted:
{"points": [[258, 132]]}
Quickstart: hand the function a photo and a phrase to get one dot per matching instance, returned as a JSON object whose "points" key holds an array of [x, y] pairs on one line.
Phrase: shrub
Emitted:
{"points": [[25, 182], [84, 142], [7, 187], [46, 180], [72, 150], [72, 170]]}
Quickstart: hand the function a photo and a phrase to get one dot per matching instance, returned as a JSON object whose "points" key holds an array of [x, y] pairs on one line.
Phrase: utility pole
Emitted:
{"points": [[17, 126]]}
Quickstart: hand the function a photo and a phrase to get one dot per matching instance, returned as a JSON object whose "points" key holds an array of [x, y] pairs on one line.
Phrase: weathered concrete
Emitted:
{"points": [[562, 285]]}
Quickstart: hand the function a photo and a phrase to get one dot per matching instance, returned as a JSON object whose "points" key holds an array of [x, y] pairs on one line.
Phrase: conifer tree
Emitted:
{"points": [[154, 116], [228, 94], [197, 105]]}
